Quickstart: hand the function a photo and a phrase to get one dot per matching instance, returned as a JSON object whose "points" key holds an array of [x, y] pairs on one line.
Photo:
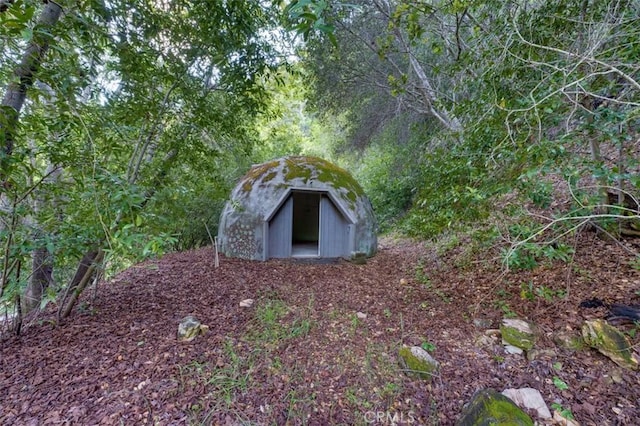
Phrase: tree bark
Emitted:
{"points": [[24, 76]]}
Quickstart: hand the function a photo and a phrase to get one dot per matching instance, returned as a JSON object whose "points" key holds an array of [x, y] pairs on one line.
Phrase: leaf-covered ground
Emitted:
{"points": [[301, 354]]}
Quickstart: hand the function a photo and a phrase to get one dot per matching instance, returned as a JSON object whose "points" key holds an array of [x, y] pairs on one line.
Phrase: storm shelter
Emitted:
{"points": [[297, 207]]}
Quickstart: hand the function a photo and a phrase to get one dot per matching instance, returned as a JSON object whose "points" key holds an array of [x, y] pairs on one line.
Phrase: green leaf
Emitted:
{"points": [[559, 383], [27, 34]]}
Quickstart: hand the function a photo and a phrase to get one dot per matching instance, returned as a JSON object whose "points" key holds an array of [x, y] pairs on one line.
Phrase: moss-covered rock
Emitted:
{"points": [[568, 340], [518, 333], [610, 342], [490, 408], [190, 328], [417, 362]]}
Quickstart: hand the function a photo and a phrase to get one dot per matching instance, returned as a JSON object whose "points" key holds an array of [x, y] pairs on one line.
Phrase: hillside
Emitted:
{"points": [[302, 355]]}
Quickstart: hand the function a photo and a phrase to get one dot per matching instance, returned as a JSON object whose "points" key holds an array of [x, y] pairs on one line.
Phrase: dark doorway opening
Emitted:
{"points": [[305, 233]]}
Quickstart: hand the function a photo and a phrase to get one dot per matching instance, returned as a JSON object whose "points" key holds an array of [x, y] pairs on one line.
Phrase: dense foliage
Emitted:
{"points": [[123, 125], [453, 104]]}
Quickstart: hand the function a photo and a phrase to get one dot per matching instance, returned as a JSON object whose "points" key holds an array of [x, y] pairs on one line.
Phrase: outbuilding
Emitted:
{"points": [[297, 207]]}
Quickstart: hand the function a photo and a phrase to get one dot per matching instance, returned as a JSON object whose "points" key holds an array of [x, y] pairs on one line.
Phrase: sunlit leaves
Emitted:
{"points": [[16, 19], [134, 97]]}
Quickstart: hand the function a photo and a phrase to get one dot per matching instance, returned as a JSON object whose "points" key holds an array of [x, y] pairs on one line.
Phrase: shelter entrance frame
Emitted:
{"points": [[329, 234]]}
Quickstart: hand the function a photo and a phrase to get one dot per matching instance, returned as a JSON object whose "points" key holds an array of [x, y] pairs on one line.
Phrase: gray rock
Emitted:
{"points": [[529, 399], [482, 322], [484, 341], [610, 342], [246, 303], [534, 354], [568, 340], [513, 350]]}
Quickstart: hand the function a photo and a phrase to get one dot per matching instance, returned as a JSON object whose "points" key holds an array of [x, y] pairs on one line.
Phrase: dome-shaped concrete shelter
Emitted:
{"points": [[297, 207]]}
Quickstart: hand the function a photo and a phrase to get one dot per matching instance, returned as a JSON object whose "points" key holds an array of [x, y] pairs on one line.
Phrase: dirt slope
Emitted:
{"points": [[301, 355]]}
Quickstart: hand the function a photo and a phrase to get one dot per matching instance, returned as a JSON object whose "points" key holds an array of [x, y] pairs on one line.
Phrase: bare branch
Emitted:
{"points": [[587, 57]]}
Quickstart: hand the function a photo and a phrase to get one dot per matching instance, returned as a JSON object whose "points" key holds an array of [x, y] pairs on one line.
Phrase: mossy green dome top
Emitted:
{"points": [[301, 172]]}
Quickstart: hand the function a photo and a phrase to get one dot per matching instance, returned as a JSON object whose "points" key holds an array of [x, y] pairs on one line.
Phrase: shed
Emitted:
{"points": [[297, 207]]}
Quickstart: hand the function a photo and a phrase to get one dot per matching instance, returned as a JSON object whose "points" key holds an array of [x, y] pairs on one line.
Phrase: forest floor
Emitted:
{"points": [[302, 355]]}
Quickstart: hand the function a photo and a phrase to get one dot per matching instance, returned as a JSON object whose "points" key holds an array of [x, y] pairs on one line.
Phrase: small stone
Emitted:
{"points": [[484, 341], [482, 322], [361, 315], [190, 328], [616, 376], [404, 281], [529, 399], [513, 350], [492, 332], [246, 303], [534, 354], [568, 340]]}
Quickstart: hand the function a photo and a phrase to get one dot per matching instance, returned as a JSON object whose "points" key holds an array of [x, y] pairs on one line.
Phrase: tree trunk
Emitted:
{"points": [[82, 284], [24, 76], [41, 279], [41, 257], [83, 273]]}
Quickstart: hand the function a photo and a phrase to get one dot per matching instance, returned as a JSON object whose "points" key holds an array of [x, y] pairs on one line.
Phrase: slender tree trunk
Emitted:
{"points": [[88, 269], [24, 76], [7, 264], [17, 323], [41, 258], [41, 279], [83, 274]]}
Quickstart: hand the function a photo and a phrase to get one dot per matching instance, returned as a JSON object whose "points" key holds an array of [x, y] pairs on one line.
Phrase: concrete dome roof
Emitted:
{"points": [[260, 196]]}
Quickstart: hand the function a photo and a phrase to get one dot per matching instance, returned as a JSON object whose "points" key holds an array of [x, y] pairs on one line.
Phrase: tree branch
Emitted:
{"points": [[580, 57]]}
